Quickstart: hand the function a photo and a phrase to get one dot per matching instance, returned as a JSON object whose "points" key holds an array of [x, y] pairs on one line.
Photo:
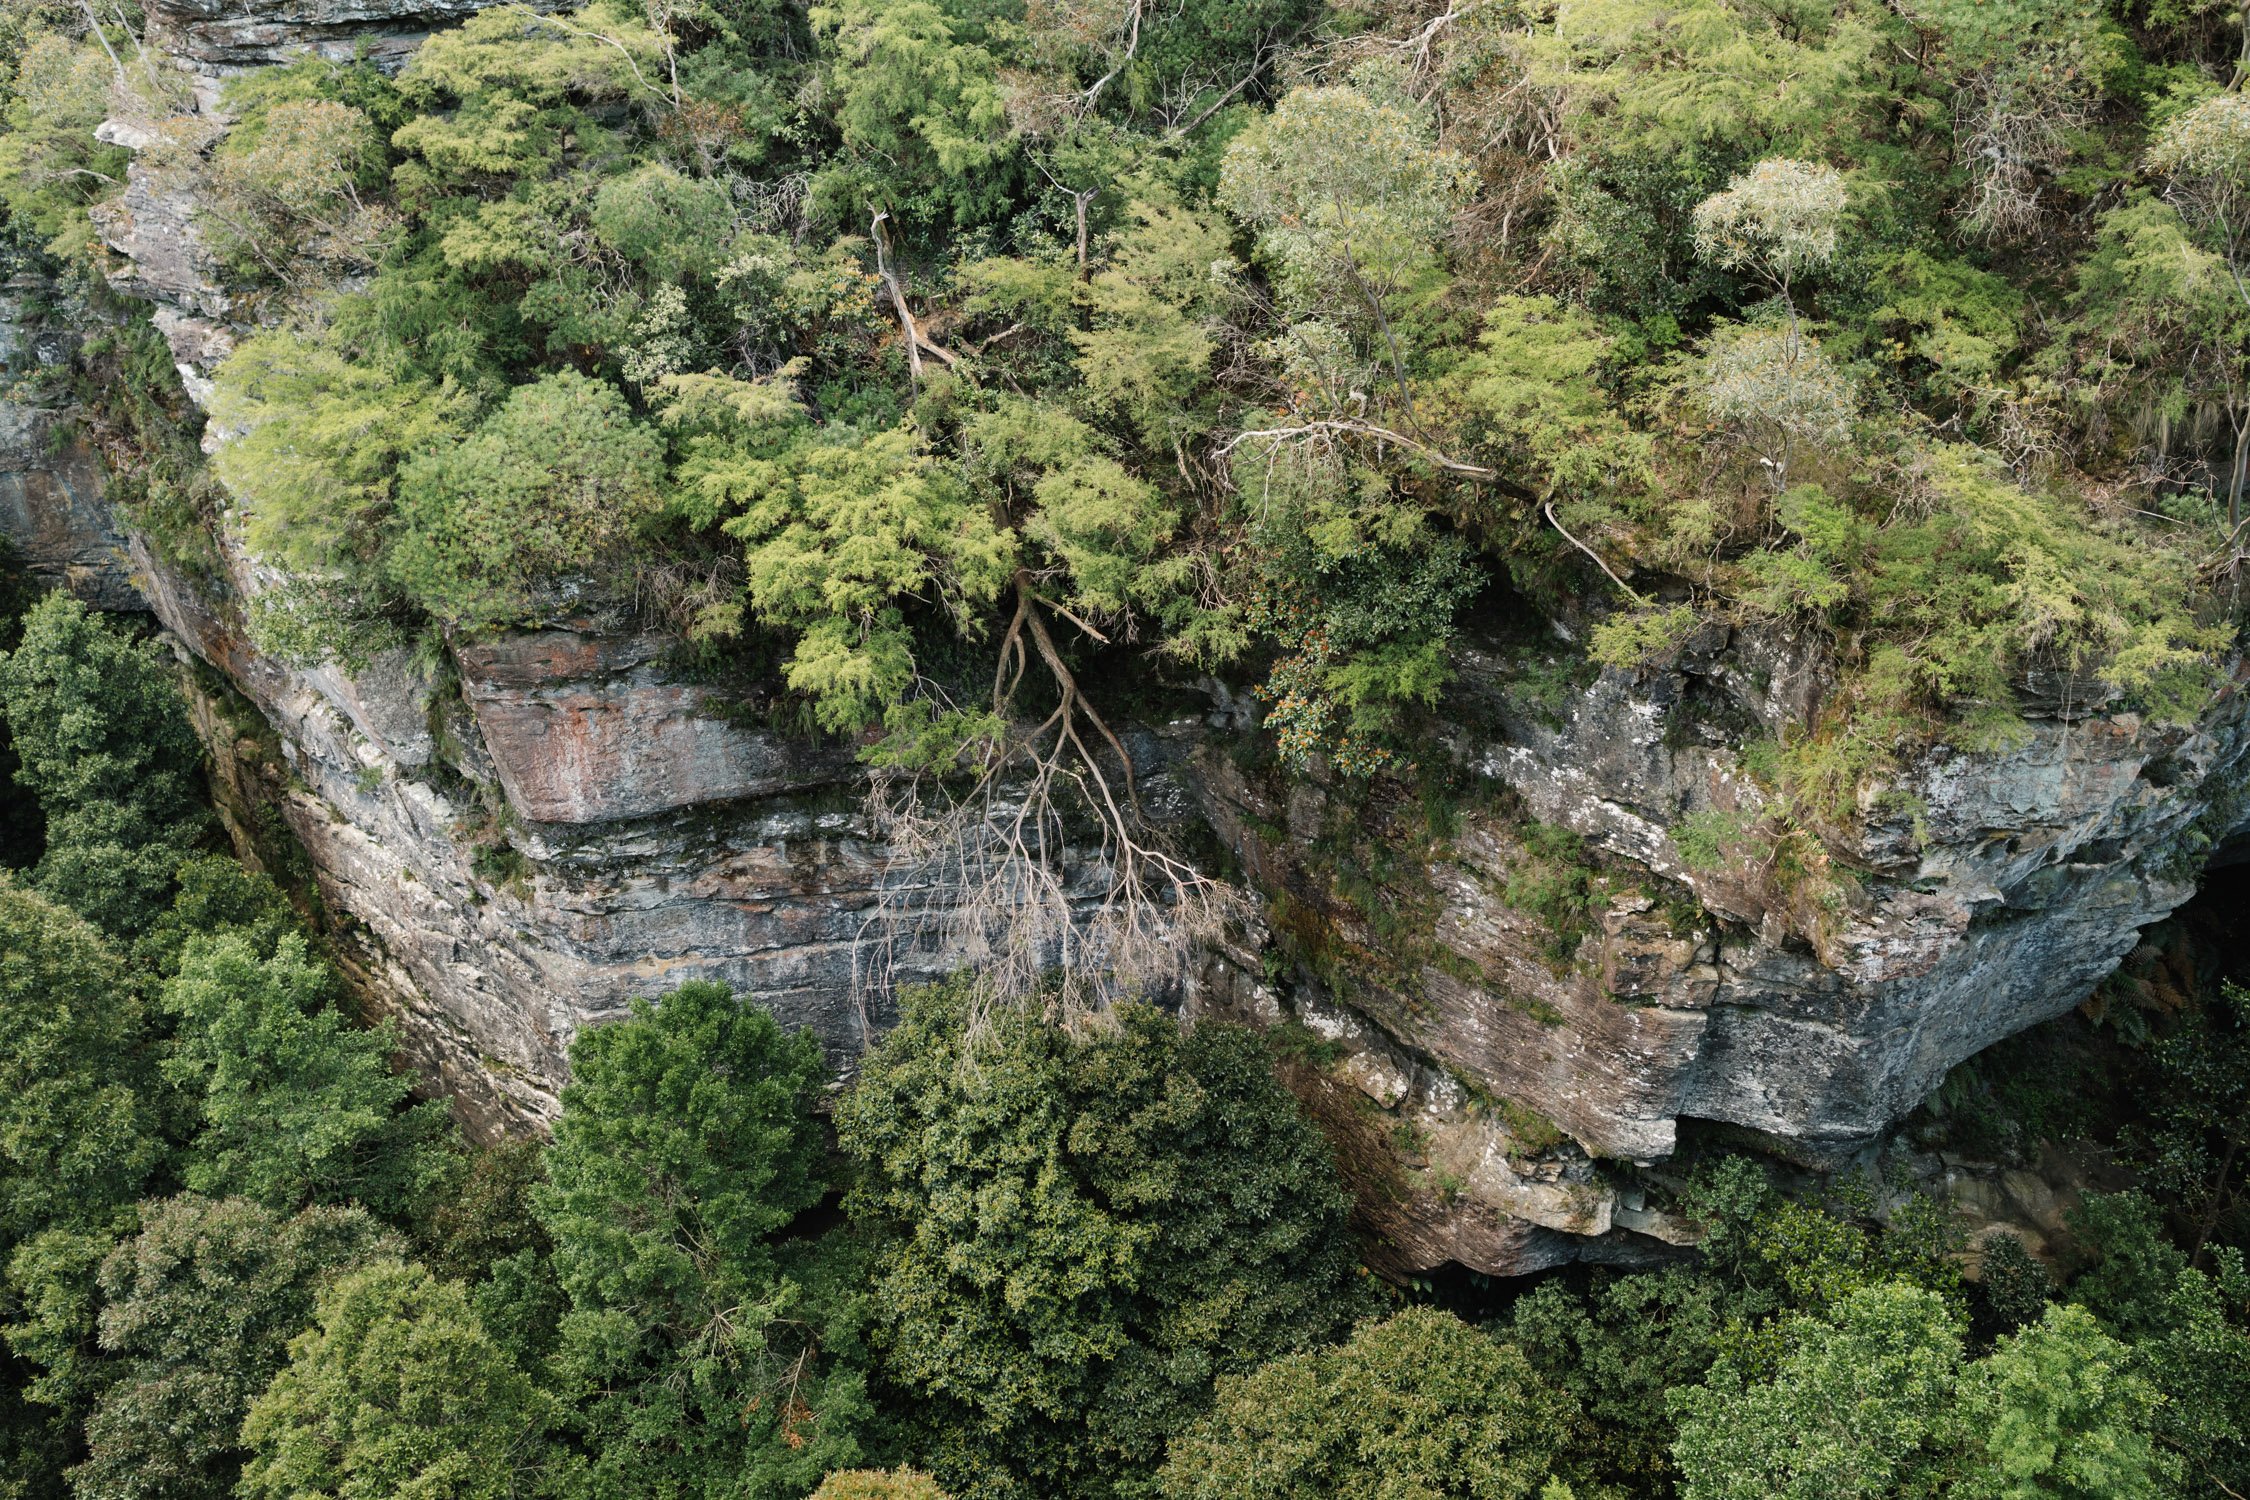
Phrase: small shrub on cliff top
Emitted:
{"points": [[551, 487]]}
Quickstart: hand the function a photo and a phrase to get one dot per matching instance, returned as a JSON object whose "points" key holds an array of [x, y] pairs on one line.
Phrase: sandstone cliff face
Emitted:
{"points": [[522, 845], [1497, 1006], [1811, 1016]]}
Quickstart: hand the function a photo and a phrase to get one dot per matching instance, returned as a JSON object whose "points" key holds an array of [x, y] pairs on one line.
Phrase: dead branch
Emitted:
{"points": [[1034, 868], [916, 344], [1087, 99], [1549, 510]]}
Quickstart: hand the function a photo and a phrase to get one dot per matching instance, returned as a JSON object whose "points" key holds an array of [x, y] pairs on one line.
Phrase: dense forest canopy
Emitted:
{"points": [[924, 363]]}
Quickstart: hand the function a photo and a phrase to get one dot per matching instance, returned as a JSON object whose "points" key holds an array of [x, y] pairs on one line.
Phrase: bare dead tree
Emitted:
{"points": [[1034, 867], [2013, 124]]}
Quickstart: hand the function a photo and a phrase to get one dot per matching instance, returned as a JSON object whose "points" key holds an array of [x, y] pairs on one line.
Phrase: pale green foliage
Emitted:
{"points": [[1416, 1407], [50, 163], [2033, 580], [551, 488], [395, 1393], [1774, 386], [874, 1484], [1815, 575], [321, 438], [1147, 348], [1100, 520], [920, 96], [589, 53], [2211, 141], [1861, 1407], [672, 226], [1534, 388], [281, 190], [1042, 294], [1347, 192], [841, 529], [1651, 76], [1105, 523], [60, 81], [510, 69], [1778, 219], [1629, 641], [661, 345], [2063, 1415]]}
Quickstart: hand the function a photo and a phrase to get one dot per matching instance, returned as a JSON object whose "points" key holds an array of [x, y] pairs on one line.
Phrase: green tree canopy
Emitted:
{"points": [[689, 1361], [1416, 1407], [1084, 1232], [2063, 1414], [78, 1134], [1863, 1405], [395, 1391], [296, 1105], [103, 741], [198, 1310]]}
